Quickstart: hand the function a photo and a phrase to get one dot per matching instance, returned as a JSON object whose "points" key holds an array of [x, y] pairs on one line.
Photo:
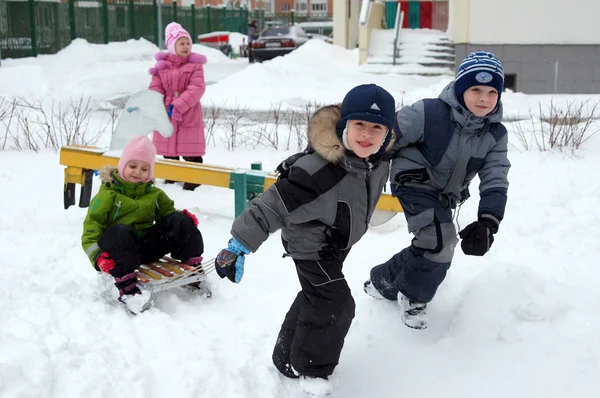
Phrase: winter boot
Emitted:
{"points": [[319, 386], [138, 302], [372, 291], [130, 295], [188, 186], [281, 353], [201, 287], [414, 314], [194, 262], [171, 158]]}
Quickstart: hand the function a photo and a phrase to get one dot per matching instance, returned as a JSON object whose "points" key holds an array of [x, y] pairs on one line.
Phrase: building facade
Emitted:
{"points": [[315, 8], [546, 46]]}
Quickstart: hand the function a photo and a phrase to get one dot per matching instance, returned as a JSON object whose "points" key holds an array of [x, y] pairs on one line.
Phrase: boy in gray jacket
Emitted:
{"points": [[442, 143], [322, 202]]}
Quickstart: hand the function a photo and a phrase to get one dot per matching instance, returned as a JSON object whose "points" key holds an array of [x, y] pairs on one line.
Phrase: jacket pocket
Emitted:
{"points": [[338, 235], [473, 167], [414, 175]]}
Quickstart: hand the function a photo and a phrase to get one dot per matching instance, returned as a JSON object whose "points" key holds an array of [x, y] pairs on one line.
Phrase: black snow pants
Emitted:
{"points": [[313, 332], [174, 233]]}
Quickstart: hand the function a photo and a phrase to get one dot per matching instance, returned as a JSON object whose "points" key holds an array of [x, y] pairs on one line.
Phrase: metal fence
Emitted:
{"points": [[32, 27]]}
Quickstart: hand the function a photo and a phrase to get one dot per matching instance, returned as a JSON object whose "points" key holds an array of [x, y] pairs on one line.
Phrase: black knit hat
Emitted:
{"points": [[370, 103]]}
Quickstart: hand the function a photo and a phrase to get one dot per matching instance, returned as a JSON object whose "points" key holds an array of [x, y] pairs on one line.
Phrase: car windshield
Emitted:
{"points": [[276, 31]]}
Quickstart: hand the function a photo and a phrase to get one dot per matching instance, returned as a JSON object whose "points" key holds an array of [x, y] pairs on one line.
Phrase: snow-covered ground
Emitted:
{"points": [[523, 321]]}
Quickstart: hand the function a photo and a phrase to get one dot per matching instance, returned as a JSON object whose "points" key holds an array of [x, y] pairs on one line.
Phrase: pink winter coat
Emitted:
{"points": [[181, 81]]}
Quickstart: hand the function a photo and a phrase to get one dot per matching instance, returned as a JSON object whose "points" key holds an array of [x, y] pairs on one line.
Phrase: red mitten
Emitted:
{"points": [[105, 263], [192, 216]]}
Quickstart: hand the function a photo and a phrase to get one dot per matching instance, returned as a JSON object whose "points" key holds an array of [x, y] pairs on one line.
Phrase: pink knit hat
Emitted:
{"points": [[174, 31], [139, 148]]}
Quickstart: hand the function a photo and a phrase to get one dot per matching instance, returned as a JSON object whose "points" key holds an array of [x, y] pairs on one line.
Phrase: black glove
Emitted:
{"points": [[477, 237]]}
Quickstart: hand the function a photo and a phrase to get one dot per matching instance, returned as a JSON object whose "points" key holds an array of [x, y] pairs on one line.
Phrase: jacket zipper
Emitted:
{"points": [[456, 162], [368, 186], [117, 212]]}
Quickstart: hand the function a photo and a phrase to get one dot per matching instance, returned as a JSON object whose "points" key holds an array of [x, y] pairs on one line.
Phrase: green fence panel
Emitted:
{"points": [[88, 21], [17, 40], [52, 27], [119, 21], [45, 27], [145, 21]]}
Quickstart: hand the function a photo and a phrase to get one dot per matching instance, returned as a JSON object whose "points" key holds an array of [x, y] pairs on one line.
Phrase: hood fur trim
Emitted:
{"points": [[322, 134], [162, 59], [106, 174]]}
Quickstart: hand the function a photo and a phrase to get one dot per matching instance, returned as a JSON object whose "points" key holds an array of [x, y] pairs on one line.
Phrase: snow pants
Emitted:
{"points": [[313, 332], [174, 233], [418, 270]]}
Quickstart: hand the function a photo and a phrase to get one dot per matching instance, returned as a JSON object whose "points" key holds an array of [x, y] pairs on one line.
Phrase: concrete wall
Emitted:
{"points": [[345, 22], [547, 46], [526, 21], [376, 21], [546, 69], [341, 22]]}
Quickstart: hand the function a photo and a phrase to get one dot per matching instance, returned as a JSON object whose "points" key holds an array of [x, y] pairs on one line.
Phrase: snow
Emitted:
{"points": [[522, 321]]}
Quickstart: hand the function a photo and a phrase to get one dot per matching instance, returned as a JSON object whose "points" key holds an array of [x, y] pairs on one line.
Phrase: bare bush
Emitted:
{"points": [[7, 114], [561, 128], [212, 114], [38, 126], [114, 115], [291, 119], [301, 128], [267, 132], [232, 123]]}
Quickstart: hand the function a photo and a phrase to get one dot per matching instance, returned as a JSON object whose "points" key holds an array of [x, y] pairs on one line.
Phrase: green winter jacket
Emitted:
{"points": [[121, 202]]}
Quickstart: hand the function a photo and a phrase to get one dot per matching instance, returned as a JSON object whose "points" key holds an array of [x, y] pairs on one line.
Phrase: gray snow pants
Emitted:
{"points": [[418, 270]]}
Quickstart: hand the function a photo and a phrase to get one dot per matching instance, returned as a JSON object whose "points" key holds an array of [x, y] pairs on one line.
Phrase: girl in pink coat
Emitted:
{"points": [[179, 76]]}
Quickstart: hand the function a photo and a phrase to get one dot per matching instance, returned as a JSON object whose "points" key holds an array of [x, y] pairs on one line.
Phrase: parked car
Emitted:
{"points": [[277, 40]]}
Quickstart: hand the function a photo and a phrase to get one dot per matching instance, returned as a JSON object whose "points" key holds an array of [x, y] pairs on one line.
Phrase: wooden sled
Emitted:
{"points": [[168, 273]]}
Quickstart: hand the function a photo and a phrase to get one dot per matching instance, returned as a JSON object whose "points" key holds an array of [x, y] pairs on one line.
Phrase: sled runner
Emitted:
{"points": [[166, 274]]}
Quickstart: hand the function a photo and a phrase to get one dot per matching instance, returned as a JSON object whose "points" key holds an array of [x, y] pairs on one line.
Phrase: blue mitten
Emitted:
{"points": [[230, 262], [170, 110]]}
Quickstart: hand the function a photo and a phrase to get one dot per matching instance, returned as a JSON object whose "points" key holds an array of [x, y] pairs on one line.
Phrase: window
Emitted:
{"points": [[276, 31], [318, 7], [510, 82], [285, 7]]}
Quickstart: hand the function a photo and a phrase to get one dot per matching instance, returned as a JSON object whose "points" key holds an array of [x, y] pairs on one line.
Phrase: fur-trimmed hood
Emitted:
{"points": [[164, 59], [106, 174], [322, 134]]}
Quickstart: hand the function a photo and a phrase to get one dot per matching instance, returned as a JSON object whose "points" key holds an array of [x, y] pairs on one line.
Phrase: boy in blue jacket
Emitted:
{"points": [[442, 144]]}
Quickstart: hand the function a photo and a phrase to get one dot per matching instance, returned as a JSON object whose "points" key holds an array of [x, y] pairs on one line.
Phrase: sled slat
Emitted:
{"points": [[160, 270], [142, 278], [187, 267], [172, 267], [151, 274]]}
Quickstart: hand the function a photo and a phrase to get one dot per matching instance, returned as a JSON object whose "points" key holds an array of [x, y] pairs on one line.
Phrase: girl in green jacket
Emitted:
{"points": [[131, 222]]}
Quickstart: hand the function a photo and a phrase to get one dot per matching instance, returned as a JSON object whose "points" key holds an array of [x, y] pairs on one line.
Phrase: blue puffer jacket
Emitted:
{"points": [[442, 145]]}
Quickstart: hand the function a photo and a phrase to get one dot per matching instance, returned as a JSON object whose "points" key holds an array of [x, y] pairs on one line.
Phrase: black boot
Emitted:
{"points": [[281, 353], [171, 158], [195, 159]]}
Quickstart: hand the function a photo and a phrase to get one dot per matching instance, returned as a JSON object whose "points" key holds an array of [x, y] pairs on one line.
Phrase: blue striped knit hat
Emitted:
{"points": [[480, 68]]}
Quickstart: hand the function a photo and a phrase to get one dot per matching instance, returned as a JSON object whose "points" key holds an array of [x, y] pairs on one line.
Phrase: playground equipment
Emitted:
{"points": [[81, 161]]}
